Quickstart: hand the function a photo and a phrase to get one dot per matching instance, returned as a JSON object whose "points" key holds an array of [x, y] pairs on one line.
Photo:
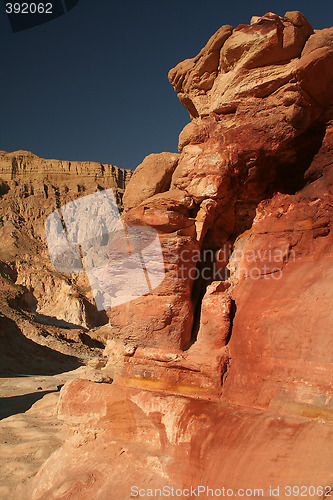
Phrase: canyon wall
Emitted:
{"points": [[222, 375], [38, 302]]}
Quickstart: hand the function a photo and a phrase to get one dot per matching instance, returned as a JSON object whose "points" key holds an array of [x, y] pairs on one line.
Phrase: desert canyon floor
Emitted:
{"points": [[29, 429]]}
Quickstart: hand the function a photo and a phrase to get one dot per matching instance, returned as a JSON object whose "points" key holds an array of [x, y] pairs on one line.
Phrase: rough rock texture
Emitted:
{"points": [[223, 374], [284, 285], [151, 177], [259, 139], [136, 438], [247, 62], [36, 301]]}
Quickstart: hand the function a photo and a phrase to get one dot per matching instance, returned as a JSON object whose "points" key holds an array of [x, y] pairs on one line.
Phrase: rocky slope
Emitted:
{"points": [[37, 303], [222, 375]]}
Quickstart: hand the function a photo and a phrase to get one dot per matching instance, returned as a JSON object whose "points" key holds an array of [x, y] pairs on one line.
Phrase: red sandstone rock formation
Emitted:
{"points": [[223, 376]]}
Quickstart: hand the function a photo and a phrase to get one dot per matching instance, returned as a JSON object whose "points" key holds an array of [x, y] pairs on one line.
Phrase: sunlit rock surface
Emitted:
{"points": [[38, 303], [222, 375]]}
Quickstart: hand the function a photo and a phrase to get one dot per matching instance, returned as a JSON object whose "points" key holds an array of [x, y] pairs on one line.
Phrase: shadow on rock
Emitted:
{"points": [[19, 404], [22, 356]]}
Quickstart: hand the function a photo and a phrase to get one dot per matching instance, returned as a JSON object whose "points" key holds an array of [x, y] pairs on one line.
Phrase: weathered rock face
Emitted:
{"points": [[254, 61], [37, 299], [24, 165], [242, 316], [282, 270], [253, 133], [153, 176], [139, 440]]}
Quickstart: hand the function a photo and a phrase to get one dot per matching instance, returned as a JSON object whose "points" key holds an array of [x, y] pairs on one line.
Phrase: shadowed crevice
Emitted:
{"points": [[232, 314]]}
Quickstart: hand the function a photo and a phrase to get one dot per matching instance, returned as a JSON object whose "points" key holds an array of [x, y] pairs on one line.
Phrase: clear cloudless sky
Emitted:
{"points": [[92, 84]]}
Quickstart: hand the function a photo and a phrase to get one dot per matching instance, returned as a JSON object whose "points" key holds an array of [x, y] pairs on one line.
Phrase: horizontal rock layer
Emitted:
{"points": [[23, 164]]}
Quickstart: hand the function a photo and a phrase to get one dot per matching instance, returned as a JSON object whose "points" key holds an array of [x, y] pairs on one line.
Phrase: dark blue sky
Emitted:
{"points": [[92, 84]]}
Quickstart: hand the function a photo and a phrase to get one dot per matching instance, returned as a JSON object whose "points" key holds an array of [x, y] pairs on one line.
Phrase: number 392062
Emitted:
{"points": [[28, 8]]}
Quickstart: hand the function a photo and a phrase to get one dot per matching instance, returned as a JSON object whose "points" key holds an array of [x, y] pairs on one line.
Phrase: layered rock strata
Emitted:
{"points": [[37, 301]]}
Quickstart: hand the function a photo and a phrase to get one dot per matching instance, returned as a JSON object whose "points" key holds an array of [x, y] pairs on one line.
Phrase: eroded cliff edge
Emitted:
{"points": [[39, 305], [223, 375]]}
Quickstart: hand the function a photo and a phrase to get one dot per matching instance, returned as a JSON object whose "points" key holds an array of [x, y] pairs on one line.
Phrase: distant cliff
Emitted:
{"points": [[39, 303], [27, 167]]}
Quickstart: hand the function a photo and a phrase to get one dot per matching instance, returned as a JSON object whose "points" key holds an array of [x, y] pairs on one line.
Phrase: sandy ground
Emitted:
{"points": [[29, 429]]}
